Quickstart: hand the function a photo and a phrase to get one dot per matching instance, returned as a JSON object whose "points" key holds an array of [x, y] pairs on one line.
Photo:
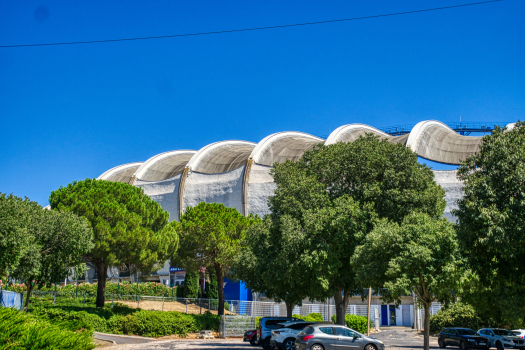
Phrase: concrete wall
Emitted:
{"points": [[225, 188], [260, 187], [165, 192], [454, 190]]}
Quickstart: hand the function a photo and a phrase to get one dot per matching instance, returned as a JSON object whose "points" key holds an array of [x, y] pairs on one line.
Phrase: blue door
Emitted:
{"points": [[384, 315]]}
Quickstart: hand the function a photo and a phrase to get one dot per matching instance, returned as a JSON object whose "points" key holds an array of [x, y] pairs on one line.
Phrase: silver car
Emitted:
{"points": [[502, 338], [335, 337]]}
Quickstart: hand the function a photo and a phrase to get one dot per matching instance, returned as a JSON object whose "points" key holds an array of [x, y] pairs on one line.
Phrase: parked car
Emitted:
{"points": [[250, 336], [334, 337], [284, 334], [266, 324], [502, 338], [465, 338], [519, 332]]}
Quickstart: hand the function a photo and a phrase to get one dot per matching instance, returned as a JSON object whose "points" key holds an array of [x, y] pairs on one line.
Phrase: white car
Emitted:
{"points": [[519, 333], [502, 338], [284, 334]]}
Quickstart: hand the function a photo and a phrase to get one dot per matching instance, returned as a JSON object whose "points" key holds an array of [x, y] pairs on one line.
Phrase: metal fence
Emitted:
{"points": [[11, 299], [236, 326]]}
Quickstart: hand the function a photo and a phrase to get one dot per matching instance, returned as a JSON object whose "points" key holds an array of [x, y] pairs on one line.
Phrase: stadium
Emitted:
{"points": [[237, 173]]}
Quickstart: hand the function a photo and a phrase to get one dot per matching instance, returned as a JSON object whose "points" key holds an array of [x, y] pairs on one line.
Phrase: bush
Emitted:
{"points": [[191, 285], [122, 319], [312, 317], [458, 315], [357, 323], [19, 330]]}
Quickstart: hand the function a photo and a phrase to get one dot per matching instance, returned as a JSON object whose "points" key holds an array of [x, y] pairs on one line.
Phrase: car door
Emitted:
{"points": [[489, 334], [348, 339], [453, 337], [328, 338], [447, 336]]}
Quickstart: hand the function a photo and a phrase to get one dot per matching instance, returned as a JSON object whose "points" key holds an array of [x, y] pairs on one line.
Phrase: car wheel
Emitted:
{"points": [[289, 344], [266, 344], [317, 347], [463, 345], [441, 343], [253, 341], [499, 346], [370, 347]]}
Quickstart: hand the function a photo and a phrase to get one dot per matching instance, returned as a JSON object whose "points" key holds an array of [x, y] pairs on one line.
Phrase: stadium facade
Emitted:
{"points": [[237, 173]]}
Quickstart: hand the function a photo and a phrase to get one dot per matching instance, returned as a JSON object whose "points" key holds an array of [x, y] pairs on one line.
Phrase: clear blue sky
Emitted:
{"points": [[72, 112]]}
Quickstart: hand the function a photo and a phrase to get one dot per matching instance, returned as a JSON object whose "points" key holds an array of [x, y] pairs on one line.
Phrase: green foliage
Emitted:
{"points": [[122, 288], [491, 224], [121, 319], [312, 317], [329, 200], [211, 290], [458, 315], [421, 255], [18, 218], [19, 331], [355, 322], [211, 235], [191, 288], [129, 227]]}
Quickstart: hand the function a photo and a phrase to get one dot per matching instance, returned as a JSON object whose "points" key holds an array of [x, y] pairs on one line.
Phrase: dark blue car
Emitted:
{"points": [[464, 338]]}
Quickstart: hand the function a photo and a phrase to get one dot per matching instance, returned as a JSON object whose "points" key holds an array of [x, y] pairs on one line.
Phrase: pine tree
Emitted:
{"points": [[212, 292]]}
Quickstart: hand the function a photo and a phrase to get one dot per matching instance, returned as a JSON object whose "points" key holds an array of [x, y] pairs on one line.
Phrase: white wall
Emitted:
{"points": [[453, 188], [225, 188], [165, 192], [260, 187]]}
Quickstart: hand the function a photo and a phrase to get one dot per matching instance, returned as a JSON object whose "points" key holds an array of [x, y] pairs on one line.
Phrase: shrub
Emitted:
{"points": [[357, 323], [191, 285], [19, 330], [312, 317], [458, 315]]}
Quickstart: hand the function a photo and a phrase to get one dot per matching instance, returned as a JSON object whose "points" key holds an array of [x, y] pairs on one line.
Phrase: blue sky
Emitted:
{"points": [[72, 112]]}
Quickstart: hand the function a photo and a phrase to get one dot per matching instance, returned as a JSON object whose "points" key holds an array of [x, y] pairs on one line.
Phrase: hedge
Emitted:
{"points": [[312, 317], [357, 323], [19, 330], [123, 288], [458, 315], [121, 319]]}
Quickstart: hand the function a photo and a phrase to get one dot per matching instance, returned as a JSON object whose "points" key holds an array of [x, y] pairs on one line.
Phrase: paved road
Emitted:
{"points": [[394, 339]]}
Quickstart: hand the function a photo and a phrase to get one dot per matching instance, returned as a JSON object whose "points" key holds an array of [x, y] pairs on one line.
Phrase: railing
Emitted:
{"points": [[463, 128]]}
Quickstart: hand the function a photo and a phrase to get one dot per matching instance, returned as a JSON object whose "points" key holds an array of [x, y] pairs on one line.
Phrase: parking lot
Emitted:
{"points": [[394, 338]]}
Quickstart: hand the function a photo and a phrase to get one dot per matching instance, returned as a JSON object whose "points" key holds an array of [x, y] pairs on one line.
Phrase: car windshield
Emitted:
{"points": [[466, 332], [502, 332]]}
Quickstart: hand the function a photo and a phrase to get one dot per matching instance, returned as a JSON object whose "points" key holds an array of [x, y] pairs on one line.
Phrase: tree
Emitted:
{"points": [[211, 234], [491, 223], [191, 286], [129, 227], [337, 192], [270, 262], [60, 240], [211, 289], [421, 254], [17, 221]]}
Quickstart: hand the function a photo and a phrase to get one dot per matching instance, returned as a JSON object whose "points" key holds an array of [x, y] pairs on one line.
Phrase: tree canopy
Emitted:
{"points": [[491, 223], [210, 235], [337, 192], [421, 255], [17, 221], [60, 240], [129, 227]]}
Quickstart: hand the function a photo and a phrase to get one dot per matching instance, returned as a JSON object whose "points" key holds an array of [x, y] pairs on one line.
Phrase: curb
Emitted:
{"points": [[124, 336]]}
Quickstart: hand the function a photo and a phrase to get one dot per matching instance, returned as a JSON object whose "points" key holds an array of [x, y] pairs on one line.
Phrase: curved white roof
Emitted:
{"points": [[221, 157], [434, 140], [351, 132], [510, 126], [164, 166], [281, 146], [121, 173]]}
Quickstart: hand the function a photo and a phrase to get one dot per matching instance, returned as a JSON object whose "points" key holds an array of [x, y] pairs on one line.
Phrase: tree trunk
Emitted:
{"points": [[29, 290], [102, 271], [220, 288], [341, 303], [289, 308], [427, 326]]}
